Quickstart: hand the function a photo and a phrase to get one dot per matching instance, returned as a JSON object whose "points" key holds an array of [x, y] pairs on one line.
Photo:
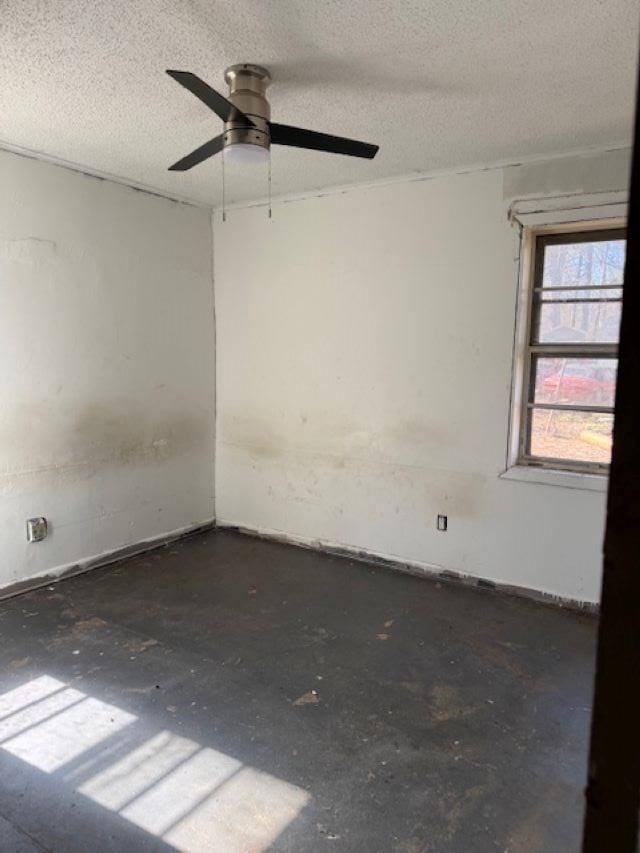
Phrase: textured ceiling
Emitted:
{"points": [[436, 84]]}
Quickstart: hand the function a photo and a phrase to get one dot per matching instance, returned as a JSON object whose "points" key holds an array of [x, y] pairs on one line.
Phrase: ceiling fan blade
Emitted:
{"points": [[214, 100], [213, 146], [298, 137]]}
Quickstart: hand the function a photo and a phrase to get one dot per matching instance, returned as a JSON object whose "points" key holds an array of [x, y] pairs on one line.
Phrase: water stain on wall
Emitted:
{"points": [[458, 494], [254, 432], [337, 434], [419, 433], [46, 438], [310, 455]]}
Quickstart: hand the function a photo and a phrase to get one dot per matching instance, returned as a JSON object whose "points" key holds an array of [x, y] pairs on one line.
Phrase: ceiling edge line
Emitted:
{"points": [[88, 172], [416, 177]]}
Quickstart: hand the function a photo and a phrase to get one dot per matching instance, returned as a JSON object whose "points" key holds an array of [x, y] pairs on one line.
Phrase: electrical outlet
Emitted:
{"points": [[36, 529], [442, 523]]}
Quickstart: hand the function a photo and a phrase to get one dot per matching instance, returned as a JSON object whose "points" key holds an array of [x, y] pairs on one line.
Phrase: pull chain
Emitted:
{"points": [[224, 195]]}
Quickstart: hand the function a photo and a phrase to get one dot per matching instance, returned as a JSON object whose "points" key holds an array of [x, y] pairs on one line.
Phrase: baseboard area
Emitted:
{"points": [[104, 559], [425, 570]]}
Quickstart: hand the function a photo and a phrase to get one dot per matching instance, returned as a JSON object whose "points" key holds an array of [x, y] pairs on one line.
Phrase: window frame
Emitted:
{"points": [[534, 241]]}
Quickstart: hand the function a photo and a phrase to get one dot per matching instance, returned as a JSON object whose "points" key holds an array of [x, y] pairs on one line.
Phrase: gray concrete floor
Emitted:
{"points": [[166, 703]]}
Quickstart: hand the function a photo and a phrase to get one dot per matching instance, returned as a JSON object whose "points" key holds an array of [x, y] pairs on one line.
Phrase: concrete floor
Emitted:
{"points": [[167, 703]]}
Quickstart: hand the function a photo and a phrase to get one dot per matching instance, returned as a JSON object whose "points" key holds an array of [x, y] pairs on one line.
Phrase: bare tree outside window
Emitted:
{"points": [[571, 357]]}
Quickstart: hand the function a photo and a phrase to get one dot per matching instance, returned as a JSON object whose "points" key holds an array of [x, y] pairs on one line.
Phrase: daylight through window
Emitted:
{"points": [[571, 357]]}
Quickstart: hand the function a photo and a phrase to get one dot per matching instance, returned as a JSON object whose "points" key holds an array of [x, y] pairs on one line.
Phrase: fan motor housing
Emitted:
{"points": [[247, 87]]}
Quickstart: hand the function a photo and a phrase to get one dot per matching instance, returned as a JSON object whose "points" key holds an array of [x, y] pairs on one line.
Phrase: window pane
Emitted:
{"points": [[577, 322], [576, 436], [587, 264], [574, 381]]}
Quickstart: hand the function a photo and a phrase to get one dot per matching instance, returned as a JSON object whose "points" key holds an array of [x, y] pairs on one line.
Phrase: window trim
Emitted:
{"points": [[519, 464]]}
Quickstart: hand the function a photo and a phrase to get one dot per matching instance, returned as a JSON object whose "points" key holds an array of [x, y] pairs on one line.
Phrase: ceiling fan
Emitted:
{"points": [[248, 131]]}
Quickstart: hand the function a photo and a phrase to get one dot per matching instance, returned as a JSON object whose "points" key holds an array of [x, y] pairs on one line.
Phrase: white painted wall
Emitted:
{"points": [[106, 366], [364, 367]]}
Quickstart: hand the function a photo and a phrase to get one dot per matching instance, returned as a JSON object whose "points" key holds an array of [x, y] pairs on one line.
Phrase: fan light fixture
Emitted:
{"points": [[246, 153], [248, 130]]}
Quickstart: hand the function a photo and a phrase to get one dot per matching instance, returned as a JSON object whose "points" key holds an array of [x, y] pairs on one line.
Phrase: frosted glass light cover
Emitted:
{"points": [[243, 152]]}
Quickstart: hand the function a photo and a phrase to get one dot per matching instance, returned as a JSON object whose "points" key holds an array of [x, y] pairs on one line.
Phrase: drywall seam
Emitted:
{"points": [[428, 571], [105, 559]]}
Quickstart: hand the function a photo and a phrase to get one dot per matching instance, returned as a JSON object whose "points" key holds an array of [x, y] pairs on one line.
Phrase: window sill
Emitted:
{"points": [[556, 477]]}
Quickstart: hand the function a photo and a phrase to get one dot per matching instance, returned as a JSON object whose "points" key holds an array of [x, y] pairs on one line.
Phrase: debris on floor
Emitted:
{"points": [[141, 645], [309, 698], [331, 836], [436, 719]]}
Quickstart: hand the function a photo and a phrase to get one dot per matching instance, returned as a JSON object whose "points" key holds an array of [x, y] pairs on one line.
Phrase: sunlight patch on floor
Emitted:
{"points": [[59, 727], [193, 797], [34, 690]]}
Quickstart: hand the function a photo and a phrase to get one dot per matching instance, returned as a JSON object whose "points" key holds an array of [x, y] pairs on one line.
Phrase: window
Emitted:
{"points": [[569, 361]]}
